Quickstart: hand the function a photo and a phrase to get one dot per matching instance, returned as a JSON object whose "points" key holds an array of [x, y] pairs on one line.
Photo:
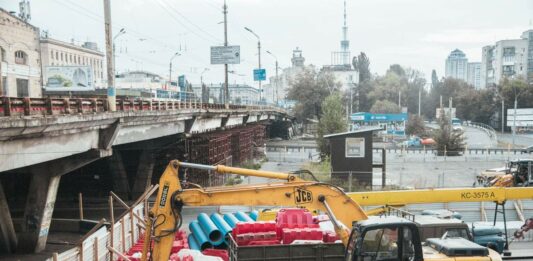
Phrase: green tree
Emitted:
{"points": [[508, 88], [447, 139], [309, 90], [384, 106], [332, 120], [415, 126], [361, 63]]}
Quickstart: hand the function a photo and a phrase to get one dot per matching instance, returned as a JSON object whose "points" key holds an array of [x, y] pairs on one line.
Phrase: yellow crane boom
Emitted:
{"points": [[421, 196]]}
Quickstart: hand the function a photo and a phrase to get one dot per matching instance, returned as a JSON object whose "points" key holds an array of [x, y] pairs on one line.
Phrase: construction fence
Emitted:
{"points": [[109, 239]]}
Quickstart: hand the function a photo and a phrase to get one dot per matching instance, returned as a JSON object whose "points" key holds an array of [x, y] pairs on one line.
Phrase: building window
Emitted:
{"points": [[52, 55], [21, 57], [57, 55], [70, 58], [3, 53], [61, 56]]}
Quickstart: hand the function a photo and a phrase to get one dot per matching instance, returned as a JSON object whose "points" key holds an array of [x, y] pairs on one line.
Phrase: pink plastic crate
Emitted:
{"points": [[222, 253], [291, 234]]}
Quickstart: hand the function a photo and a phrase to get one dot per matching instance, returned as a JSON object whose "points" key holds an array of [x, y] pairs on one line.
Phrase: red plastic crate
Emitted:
{"points": [[294, 217], [291, 234], [222, 253], [253, 227], [245, 239], [330, 237]]}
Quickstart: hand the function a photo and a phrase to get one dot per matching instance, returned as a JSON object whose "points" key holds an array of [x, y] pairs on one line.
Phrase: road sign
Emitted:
{"points": [[226, 54], [259, 74]]}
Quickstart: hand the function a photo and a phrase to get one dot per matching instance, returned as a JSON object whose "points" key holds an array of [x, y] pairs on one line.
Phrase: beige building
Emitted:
{"points": [[58, 53], [20, 63]]}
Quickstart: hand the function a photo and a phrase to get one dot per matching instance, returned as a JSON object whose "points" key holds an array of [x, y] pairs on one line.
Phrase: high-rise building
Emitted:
{"points": [[474, 74], [505, 59], [456, 65], [528, 35]]}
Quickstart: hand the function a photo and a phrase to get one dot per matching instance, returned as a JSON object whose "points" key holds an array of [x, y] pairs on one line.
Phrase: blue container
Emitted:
{"points": [[199, 235], [192, 242], [231, 220], [254, 214], [243, 217], [210, 229], [221, 224]]}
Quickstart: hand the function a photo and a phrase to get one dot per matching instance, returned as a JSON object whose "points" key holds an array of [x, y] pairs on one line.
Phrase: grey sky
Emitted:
{"points": [[414, 33]]}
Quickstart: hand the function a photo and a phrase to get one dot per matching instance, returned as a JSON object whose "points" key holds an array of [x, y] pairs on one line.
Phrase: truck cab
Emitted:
{"points": [[397, 238]]}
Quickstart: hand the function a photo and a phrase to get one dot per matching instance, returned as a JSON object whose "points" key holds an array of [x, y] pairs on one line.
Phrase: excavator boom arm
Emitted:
{"points": [[164, 217]]}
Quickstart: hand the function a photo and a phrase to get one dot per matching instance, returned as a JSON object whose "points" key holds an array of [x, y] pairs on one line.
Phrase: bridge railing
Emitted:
{"points": [[486, 128], [14, 106]]}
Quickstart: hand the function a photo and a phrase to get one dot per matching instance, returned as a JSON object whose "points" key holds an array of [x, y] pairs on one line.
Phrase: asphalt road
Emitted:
{"points": [[521, 140]]}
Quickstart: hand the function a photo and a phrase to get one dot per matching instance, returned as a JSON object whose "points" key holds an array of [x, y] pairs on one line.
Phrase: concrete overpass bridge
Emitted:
{"points": [[47, 138]]}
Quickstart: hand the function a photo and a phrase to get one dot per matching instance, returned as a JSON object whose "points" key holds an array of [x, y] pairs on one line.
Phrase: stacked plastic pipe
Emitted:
{"points": [[211, 230]]}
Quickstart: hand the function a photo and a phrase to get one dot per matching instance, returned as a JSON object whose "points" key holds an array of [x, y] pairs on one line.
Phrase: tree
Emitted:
{"points": [[508, 88], [361, 63], [415, 126], [384, 106], [309, 90], [448, 140], [332, 120]]}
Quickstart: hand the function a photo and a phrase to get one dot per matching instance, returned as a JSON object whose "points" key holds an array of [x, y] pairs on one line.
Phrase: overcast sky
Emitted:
{"points": [[418, 34]]}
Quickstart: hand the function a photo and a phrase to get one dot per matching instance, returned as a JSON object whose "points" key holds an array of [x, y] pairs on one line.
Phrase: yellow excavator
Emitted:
{"points": [[386, 238]]}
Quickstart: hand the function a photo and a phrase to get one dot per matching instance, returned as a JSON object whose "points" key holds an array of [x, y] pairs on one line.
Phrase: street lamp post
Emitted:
{"points": [[170, 70], [202, 75], [259, 59], [277, 80], [121, 32]]}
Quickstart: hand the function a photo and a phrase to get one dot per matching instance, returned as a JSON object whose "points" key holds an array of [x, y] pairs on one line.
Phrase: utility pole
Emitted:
{"points": [[514, 118], [170, 70], [111, 96], [400, 100], [259, 55], [419, 99], [450, 103], [503, 114], [1, 78], [226, 87], [277, 82]]}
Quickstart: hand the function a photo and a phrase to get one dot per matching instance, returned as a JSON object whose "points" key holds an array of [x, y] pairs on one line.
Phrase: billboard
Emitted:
{"points": [[524, 117], [226, 54], [68, 78]]}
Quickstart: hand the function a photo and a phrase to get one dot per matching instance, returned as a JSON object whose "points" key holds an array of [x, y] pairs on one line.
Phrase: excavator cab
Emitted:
{"points": [[388, 238]]}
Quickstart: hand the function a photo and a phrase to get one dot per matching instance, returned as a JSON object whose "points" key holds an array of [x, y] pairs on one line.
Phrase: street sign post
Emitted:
{"points": [[226, 54], [259, 74]]}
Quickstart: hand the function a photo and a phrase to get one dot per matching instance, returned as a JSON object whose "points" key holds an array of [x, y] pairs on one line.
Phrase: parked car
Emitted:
{"points": [[527, 150]]}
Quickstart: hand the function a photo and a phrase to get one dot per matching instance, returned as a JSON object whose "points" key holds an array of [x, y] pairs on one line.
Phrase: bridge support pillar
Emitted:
{"points": [[143, 177], [8, 238], [38, 212], [120, 176], [41, 197]]}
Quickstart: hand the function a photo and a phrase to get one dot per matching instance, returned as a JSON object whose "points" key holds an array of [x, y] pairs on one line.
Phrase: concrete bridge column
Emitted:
{"points": [[120, 176], [42, 194], [38, 212], [143, 177], [8, 238]]}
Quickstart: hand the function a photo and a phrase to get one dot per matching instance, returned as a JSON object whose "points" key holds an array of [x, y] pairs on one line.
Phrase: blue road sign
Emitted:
{"points": [[259, 74]]}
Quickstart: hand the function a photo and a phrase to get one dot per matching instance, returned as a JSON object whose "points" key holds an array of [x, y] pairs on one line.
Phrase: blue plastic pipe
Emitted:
{"points": [[231, 220], [210, 229], [192, 242], [199, 235], [254, 214], [221, 224], [243, 217]]}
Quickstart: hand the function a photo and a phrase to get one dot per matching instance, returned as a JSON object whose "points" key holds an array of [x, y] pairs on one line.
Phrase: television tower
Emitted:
{"points": [[345, 44]]}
